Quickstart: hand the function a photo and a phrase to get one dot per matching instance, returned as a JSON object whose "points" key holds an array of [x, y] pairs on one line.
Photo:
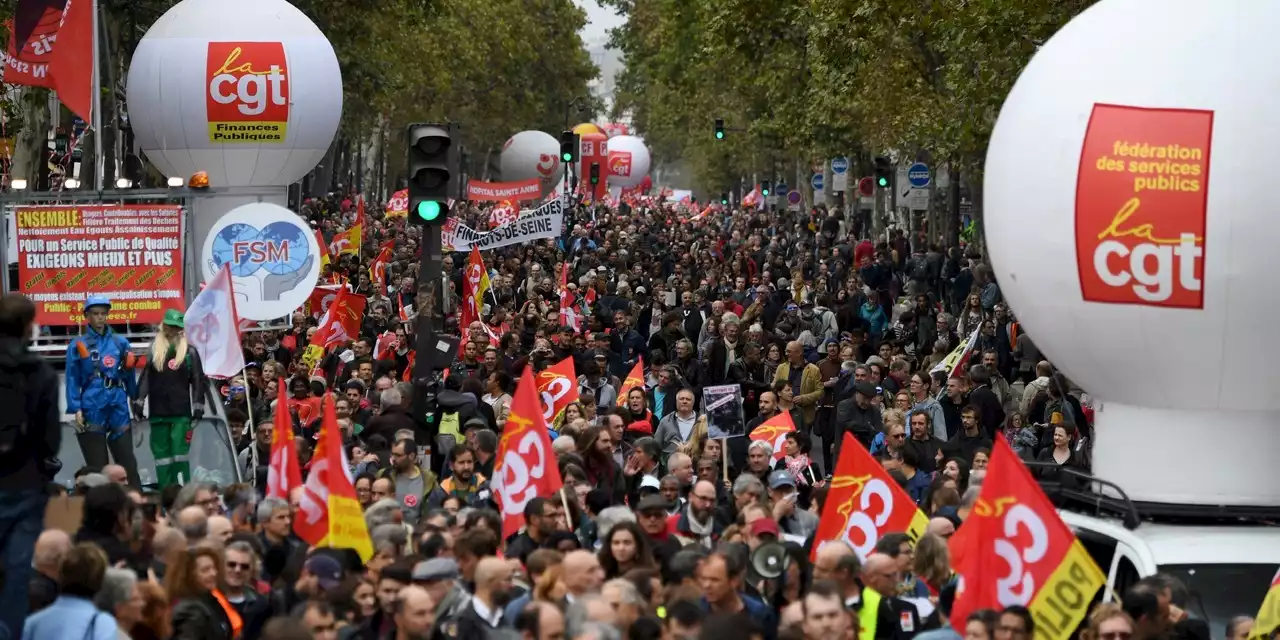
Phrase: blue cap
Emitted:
{"points": [[96, 301]]}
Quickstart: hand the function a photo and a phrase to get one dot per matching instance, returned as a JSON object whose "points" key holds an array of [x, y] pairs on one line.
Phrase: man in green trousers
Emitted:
{"points": [[174, 381]]}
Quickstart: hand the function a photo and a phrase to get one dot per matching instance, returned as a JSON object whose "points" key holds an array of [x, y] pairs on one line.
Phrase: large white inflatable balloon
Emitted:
{"points": [[628, 161], [528, 155], [246, 90], [1142, 261]]}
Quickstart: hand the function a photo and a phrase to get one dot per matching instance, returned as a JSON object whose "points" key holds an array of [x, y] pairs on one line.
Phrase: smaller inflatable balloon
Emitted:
{"points": [[615, 129], [528, 155], [585, 128], [628, 161]]}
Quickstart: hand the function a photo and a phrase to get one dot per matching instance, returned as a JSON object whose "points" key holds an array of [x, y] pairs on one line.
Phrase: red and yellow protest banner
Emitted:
{"points": [[398, 205], [328, 513], [774, 431], [1141, 206], [558, 388], [864, 503], [635, 380], [526, 465], [130, 254], [1013, 549]]}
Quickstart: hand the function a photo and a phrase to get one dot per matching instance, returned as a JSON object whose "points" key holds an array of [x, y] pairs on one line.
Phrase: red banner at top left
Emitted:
{"points": [[130, 254], [519, 190], [29, 65]]}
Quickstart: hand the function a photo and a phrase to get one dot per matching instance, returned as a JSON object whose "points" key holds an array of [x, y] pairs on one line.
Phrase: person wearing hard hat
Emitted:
{"points": [[174, 382], [100, 382]]}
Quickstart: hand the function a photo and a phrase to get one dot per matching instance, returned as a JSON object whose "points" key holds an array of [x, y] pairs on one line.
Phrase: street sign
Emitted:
{"points": [[839, 165], [816, 182], [918, 175], [918, 200], [839, 182], [781, 188], [793, 197], [867, 187]]}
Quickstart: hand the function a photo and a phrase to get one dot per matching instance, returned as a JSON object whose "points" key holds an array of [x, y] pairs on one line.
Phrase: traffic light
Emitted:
{"points": [[568, 147], [429, 172], [595, 173], [764, 188], [884, 173], [719, 128], [724, 199]]}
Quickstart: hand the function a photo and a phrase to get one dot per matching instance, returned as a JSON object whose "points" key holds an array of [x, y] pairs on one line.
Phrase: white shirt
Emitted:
{"points": [[491, 616]]}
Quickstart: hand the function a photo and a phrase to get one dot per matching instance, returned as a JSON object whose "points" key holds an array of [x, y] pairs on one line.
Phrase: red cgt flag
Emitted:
{"points": [[774, 431], [557, 389], [863, 503], [329, 514], [341, 322], [1013, 549], [635, 380], [526, 465], [378, 270], [283, 474], [71, 63]]}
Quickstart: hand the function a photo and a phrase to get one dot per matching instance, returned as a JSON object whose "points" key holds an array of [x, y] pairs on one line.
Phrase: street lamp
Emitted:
{"points": [[580, 102]]}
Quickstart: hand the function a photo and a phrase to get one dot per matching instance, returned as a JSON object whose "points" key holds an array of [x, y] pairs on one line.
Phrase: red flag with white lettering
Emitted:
{"points": [[557, 388], [774, 431], [283, 473], [526, 465]]}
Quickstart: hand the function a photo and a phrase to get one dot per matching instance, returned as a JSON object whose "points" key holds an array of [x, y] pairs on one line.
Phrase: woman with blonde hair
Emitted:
{"points": [[932, 563], [174, 381], [1108, 621], [550, 588]]}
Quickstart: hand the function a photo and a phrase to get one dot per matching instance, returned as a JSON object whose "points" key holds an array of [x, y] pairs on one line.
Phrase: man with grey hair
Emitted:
{"points": [[385, 511], [275, 524], [645, 461], [587, 612], [241, 566], [201, 494], [194, 523], [747, 490], [759, 459], [51, 547], [595, 631], [622, 595], [610, 518], [119, 597]]}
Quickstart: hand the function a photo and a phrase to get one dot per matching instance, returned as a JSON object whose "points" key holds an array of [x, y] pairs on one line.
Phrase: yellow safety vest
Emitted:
{"points": [[869, 614]]}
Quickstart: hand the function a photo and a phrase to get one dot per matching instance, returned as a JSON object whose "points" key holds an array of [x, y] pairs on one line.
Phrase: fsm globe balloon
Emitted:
{"points": [[528, 155], [273, 255], [248, 91], [628, 161], [1141, 261]]}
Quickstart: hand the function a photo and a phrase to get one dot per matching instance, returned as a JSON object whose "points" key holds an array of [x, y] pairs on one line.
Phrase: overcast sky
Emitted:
{"points": [[599, 19]]}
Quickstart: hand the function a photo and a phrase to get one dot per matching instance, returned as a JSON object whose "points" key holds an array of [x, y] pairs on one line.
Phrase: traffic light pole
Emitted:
{"points": [[424, 374]]}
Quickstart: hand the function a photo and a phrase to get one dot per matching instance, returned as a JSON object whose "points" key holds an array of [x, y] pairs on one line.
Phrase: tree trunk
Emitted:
{"points": [[322, 175], [33, 137]]}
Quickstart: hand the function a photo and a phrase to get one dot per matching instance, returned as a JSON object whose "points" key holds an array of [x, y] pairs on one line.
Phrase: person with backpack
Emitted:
{"points": [[100, 383], [175, 383], [30, 435]]}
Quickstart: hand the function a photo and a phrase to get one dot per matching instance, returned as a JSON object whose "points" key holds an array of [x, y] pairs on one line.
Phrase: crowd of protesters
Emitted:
{"points": [[649, 537]]}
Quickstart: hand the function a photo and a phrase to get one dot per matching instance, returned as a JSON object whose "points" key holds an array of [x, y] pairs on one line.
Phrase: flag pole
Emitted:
{"points": [[253, 428], [99, 160]]}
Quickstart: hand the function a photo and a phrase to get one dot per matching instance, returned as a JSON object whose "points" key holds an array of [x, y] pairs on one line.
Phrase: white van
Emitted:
{"points": [[1226, 556]]}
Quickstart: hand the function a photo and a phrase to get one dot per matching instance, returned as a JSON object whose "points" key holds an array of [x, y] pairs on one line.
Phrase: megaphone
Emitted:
{"points": [[770, 560]]}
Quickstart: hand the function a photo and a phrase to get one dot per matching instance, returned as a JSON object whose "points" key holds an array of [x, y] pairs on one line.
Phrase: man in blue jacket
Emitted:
{"points": [[100, 384]]}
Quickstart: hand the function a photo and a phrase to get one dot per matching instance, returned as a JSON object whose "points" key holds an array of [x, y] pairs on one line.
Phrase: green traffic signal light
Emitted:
{"points": [[719, 135], [567, 157], [429, 210], [883, 181]]}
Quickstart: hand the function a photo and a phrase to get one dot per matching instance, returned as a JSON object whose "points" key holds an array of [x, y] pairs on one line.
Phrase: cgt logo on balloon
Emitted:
{"points": [[1142, 204], [248, 99], [620, 163]]}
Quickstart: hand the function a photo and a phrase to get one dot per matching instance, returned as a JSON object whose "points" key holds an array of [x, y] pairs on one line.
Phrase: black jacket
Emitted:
{"points": [[200, 618], [29, 449], [991, 413], [174, 391]]}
